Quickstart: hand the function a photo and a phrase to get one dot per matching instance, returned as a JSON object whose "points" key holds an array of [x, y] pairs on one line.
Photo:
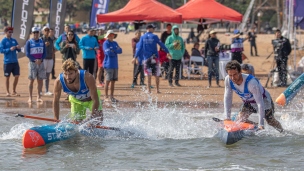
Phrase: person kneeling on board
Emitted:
{"points": [[256, 99], [81, 88]]}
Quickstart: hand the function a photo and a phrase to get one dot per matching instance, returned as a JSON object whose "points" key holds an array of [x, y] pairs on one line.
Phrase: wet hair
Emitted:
{"points": [[232, 65], [70, 65]]}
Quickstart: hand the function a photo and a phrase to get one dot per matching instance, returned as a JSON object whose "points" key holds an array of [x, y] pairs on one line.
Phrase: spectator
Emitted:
{"points": [[52, 36], [251, 37], [89, 45], [111, 50], [212, 53], [166, 33], [69, 48], [63, 37], [48, 61], [191, 36], [148, 46], [195, 52], [164, 62], [36, 52], [9, 47], [176, 47], [237, 46], [138, 69], [186, 60], [100, 58]]}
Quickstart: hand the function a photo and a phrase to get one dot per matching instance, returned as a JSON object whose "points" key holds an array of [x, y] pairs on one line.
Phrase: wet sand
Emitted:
{"points": [[192, 94]]}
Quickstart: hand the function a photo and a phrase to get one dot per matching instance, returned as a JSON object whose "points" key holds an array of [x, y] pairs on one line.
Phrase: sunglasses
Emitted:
{"points": [[71, 34], [36, 32], [46, 30]]}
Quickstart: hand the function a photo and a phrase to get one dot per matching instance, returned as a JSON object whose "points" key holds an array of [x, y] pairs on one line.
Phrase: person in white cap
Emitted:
{"points": [[48, 61], [36, 52], [111, 50]]}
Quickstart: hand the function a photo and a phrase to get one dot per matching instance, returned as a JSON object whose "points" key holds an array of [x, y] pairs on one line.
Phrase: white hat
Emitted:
{"points": [[45, 27], [110, 32], [35, 29], [212, 32]]}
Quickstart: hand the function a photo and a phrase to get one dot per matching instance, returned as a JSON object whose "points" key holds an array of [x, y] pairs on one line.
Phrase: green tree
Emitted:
{"points": [[6, 10]]}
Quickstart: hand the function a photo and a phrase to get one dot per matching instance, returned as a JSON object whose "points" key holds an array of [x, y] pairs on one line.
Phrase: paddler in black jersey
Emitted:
{"points": [[81, 88], [256, 99]]}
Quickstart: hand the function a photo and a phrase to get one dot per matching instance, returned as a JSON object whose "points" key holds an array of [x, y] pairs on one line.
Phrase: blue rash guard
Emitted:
{"points": [[9, 56]]}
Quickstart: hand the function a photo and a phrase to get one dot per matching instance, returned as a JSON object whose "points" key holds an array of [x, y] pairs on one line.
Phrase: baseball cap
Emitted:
{"points": [[110, 32], [236, 31], [34, 29], [8, 29], [150, 26], [45, 27]]}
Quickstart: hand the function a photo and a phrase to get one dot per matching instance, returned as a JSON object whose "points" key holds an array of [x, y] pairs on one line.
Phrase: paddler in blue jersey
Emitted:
{"points": [[81, 88], [254, 96]]}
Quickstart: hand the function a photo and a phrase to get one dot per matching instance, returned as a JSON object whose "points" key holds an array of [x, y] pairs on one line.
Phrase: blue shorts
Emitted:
{"points": [[11, 68]]}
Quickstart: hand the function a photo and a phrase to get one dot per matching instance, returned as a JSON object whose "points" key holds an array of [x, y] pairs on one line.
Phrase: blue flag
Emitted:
{"points": [[98, 7], [299, 13]]}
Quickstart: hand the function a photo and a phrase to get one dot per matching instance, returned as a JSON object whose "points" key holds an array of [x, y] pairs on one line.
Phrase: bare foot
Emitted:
{"points": [[30, 100], [39, 100], [15, 94], [8, 95]]}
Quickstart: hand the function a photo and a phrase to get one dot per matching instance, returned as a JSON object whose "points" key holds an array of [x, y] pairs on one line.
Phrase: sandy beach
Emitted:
{"points": [[193, 92]]}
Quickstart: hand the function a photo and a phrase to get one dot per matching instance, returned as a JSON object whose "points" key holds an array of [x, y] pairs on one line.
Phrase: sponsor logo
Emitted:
{"points": [[58, 18], [58, 135], [24, 16], [101, 8]]}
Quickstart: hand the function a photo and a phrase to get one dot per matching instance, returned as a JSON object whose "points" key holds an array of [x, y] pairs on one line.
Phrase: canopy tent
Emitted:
{"points": [[142, 10], [208, 9]]}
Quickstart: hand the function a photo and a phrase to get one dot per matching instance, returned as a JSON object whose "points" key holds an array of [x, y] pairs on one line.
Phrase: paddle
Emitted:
{"points": [[54, 120]]}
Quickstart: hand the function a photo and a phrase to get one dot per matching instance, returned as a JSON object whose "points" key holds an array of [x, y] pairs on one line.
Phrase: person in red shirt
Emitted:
{"points": [[164, 62], [100, 58]]}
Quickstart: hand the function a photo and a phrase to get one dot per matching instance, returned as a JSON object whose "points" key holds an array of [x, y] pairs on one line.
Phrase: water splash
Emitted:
{"points": [[16, 131]]}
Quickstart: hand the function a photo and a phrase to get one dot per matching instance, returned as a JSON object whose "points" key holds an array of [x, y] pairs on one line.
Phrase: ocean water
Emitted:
{"points": [[161, 138]]}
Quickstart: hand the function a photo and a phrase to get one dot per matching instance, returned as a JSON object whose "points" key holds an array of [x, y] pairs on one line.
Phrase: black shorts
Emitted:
{"points": [[248, 109], [11, 68]]}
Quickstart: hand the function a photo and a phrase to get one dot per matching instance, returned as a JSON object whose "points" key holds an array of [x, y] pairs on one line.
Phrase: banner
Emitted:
{"points": [[98, 7], [299, 13], [22, 21], [57, 16]]}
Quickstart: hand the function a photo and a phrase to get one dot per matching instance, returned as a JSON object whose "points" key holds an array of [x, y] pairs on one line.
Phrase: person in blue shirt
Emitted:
{"points": [[148, 46], [36, 52], [9, 46], [110, 63], [63, 37], [88, 44]]}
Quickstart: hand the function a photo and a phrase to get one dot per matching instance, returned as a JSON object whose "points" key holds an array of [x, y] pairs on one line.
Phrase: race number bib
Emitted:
{"points": [[36, 50]]}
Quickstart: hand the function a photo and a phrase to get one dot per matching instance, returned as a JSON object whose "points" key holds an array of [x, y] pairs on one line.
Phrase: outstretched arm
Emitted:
{"points": [[56, 98], [227, 98]]}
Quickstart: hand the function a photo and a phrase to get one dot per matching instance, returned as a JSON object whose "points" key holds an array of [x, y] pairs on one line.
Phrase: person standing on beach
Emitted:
{"points": [[251, 38], [36, 52], [48, 61], [138, 69], [237, 46], [88, 44], [256, 99], [212, 53], [165, 63], [100, 58], [111, 50], [176, 47], [148, 46], [9, 47]]}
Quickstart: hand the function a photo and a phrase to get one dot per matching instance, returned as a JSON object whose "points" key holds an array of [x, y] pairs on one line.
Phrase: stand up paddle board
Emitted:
{"points": [[231, 131], [291, 91]]}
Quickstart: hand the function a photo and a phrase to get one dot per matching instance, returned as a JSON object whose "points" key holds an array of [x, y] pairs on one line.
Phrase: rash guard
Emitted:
{"points": [[260, 100]]}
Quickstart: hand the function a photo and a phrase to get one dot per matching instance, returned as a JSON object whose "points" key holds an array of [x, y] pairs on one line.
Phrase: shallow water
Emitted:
{"points": [[161, 139]]}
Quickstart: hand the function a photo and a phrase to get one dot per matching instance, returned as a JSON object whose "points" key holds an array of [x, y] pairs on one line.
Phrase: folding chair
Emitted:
{"points": [[194, 67]]}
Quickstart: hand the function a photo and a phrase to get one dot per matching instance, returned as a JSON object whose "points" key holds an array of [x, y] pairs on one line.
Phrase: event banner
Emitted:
{"points": [[22, 21], [57, 16], [98, 7]]}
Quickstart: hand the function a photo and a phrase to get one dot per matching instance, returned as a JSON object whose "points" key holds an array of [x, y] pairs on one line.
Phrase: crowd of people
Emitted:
{"points": [[100, 65]]}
